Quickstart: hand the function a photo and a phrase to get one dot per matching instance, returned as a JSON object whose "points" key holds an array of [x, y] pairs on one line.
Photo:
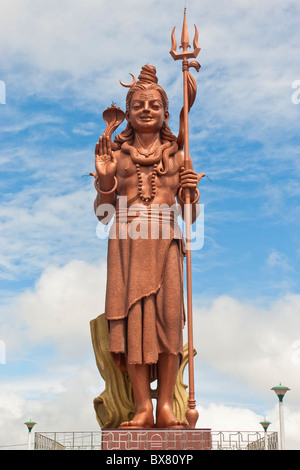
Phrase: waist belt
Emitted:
{"points": [[146, 213]]}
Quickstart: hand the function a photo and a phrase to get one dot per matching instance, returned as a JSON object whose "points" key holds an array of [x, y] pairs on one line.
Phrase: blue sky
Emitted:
{"points": [[61, 62]]}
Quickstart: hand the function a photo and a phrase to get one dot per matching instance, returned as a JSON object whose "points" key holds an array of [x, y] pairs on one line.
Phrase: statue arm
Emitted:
{"points": [[189, 179], [105, 180], [104, 210]]}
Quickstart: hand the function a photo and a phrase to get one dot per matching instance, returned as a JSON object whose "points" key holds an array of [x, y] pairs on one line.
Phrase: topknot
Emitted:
{"points": [[148, 74]]}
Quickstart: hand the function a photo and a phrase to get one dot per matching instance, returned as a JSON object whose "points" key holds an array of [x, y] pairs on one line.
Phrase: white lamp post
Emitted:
{"points": [[29, 425], [280, 391], [265, 424]]}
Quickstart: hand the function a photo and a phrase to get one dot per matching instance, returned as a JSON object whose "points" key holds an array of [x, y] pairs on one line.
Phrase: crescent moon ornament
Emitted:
{"points": [[129, 85]]}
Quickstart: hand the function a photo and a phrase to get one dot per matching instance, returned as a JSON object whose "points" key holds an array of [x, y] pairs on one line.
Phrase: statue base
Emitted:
{"points": [[156, 439]]}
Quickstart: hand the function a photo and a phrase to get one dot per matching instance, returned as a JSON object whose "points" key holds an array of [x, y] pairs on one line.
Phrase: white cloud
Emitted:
{"points": [[42, 227], [85, 46], [36, 120], [250, 342], [59, 400], [54, 387], [85, 128], [220, 417], [243, 341], [278, 260], [59, 308]]}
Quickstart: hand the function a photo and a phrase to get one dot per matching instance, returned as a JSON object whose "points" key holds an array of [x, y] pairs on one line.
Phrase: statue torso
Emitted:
{"points": [[166, 186]]}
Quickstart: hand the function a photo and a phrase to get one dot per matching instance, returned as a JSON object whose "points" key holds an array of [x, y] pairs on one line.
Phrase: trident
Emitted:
{"points": [[189, 94]]}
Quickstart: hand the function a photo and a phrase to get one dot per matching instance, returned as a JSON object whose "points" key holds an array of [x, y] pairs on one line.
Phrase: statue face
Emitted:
{"points": [[147, 113]]}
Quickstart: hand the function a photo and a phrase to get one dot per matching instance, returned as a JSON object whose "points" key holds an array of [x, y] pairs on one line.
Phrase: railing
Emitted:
{"points": [[68, 441], [243, 440], [43, 442], [221, 440], [268, 443]]}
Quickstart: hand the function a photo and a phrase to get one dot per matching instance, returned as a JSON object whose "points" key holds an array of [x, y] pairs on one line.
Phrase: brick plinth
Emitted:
{"points": [[156, 439]]}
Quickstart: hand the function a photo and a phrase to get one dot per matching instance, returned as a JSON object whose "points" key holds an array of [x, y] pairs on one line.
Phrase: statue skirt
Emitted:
{"points": [[153, 324]]}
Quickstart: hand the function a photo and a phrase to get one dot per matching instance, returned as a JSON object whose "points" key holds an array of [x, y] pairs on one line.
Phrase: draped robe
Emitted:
{"points": [[144, 294]]}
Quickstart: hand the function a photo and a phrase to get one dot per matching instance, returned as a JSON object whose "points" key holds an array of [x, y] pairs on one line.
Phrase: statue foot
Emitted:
{"points": [[165, 418], [141, 420]]}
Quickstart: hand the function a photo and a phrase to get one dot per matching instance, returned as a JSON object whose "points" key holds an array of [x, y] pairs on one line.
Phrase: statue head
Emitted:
{"points": [[147, 80]]}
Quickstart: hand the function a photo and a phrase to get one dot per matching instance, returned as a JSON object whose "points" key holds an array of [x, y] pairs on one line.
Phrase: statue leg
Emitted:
{"points": [[140, 381], [168, 366]]}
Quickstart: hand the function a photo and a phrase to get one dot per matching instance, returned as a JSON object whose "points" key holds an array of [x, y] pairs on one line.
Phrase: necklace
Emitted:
{"points": [[149, 150], [145, 159], [145, 154], [141, 192]]}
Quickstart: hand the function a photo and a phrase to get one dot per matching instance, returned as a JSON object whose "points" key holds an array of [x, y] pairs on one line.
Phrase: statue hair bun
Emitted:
{"points": [[148, 74]]}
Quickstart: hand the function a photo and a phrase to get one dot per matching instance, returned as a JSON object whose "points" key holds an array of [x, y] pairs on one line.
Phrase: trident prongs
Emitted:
{"points": [[185, 43]]}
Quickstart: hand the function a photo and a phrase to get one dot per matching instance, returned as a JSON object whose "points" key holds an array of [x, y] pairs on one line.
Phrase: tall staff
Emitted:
{"points": [[189, 94]]}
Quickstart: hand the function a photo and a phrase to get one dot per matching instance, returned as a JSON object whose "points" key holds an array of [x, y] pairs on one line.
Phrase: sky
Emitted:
{"points": [[60, 66]]}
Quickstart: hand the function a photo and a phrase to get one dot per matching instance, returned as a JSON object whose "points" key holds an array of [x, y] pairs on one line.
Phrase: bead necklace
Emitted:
{"points": [[140, 185]]}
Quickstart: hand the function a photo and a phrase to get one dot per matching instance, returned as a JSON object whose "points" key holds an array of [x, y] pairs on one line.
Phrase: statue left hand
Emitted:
{"points": [[189, 179]]}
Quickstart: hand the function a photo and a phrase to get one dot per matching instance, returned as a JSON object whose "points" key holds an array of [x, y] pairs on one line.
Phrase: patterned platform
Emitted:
{"points": [[156, 439]]}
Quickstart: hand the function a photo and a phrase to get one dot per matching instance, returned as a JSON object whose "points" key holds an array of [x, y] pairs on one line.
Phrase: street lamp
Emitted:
{"points": [[265, 424], [280, 391], [29, 425]]}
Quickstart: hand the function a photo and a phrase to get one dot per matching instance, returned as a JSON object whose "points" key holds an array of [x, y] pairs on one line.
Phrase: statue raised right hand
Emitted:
{"points": [[105, 163]]}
